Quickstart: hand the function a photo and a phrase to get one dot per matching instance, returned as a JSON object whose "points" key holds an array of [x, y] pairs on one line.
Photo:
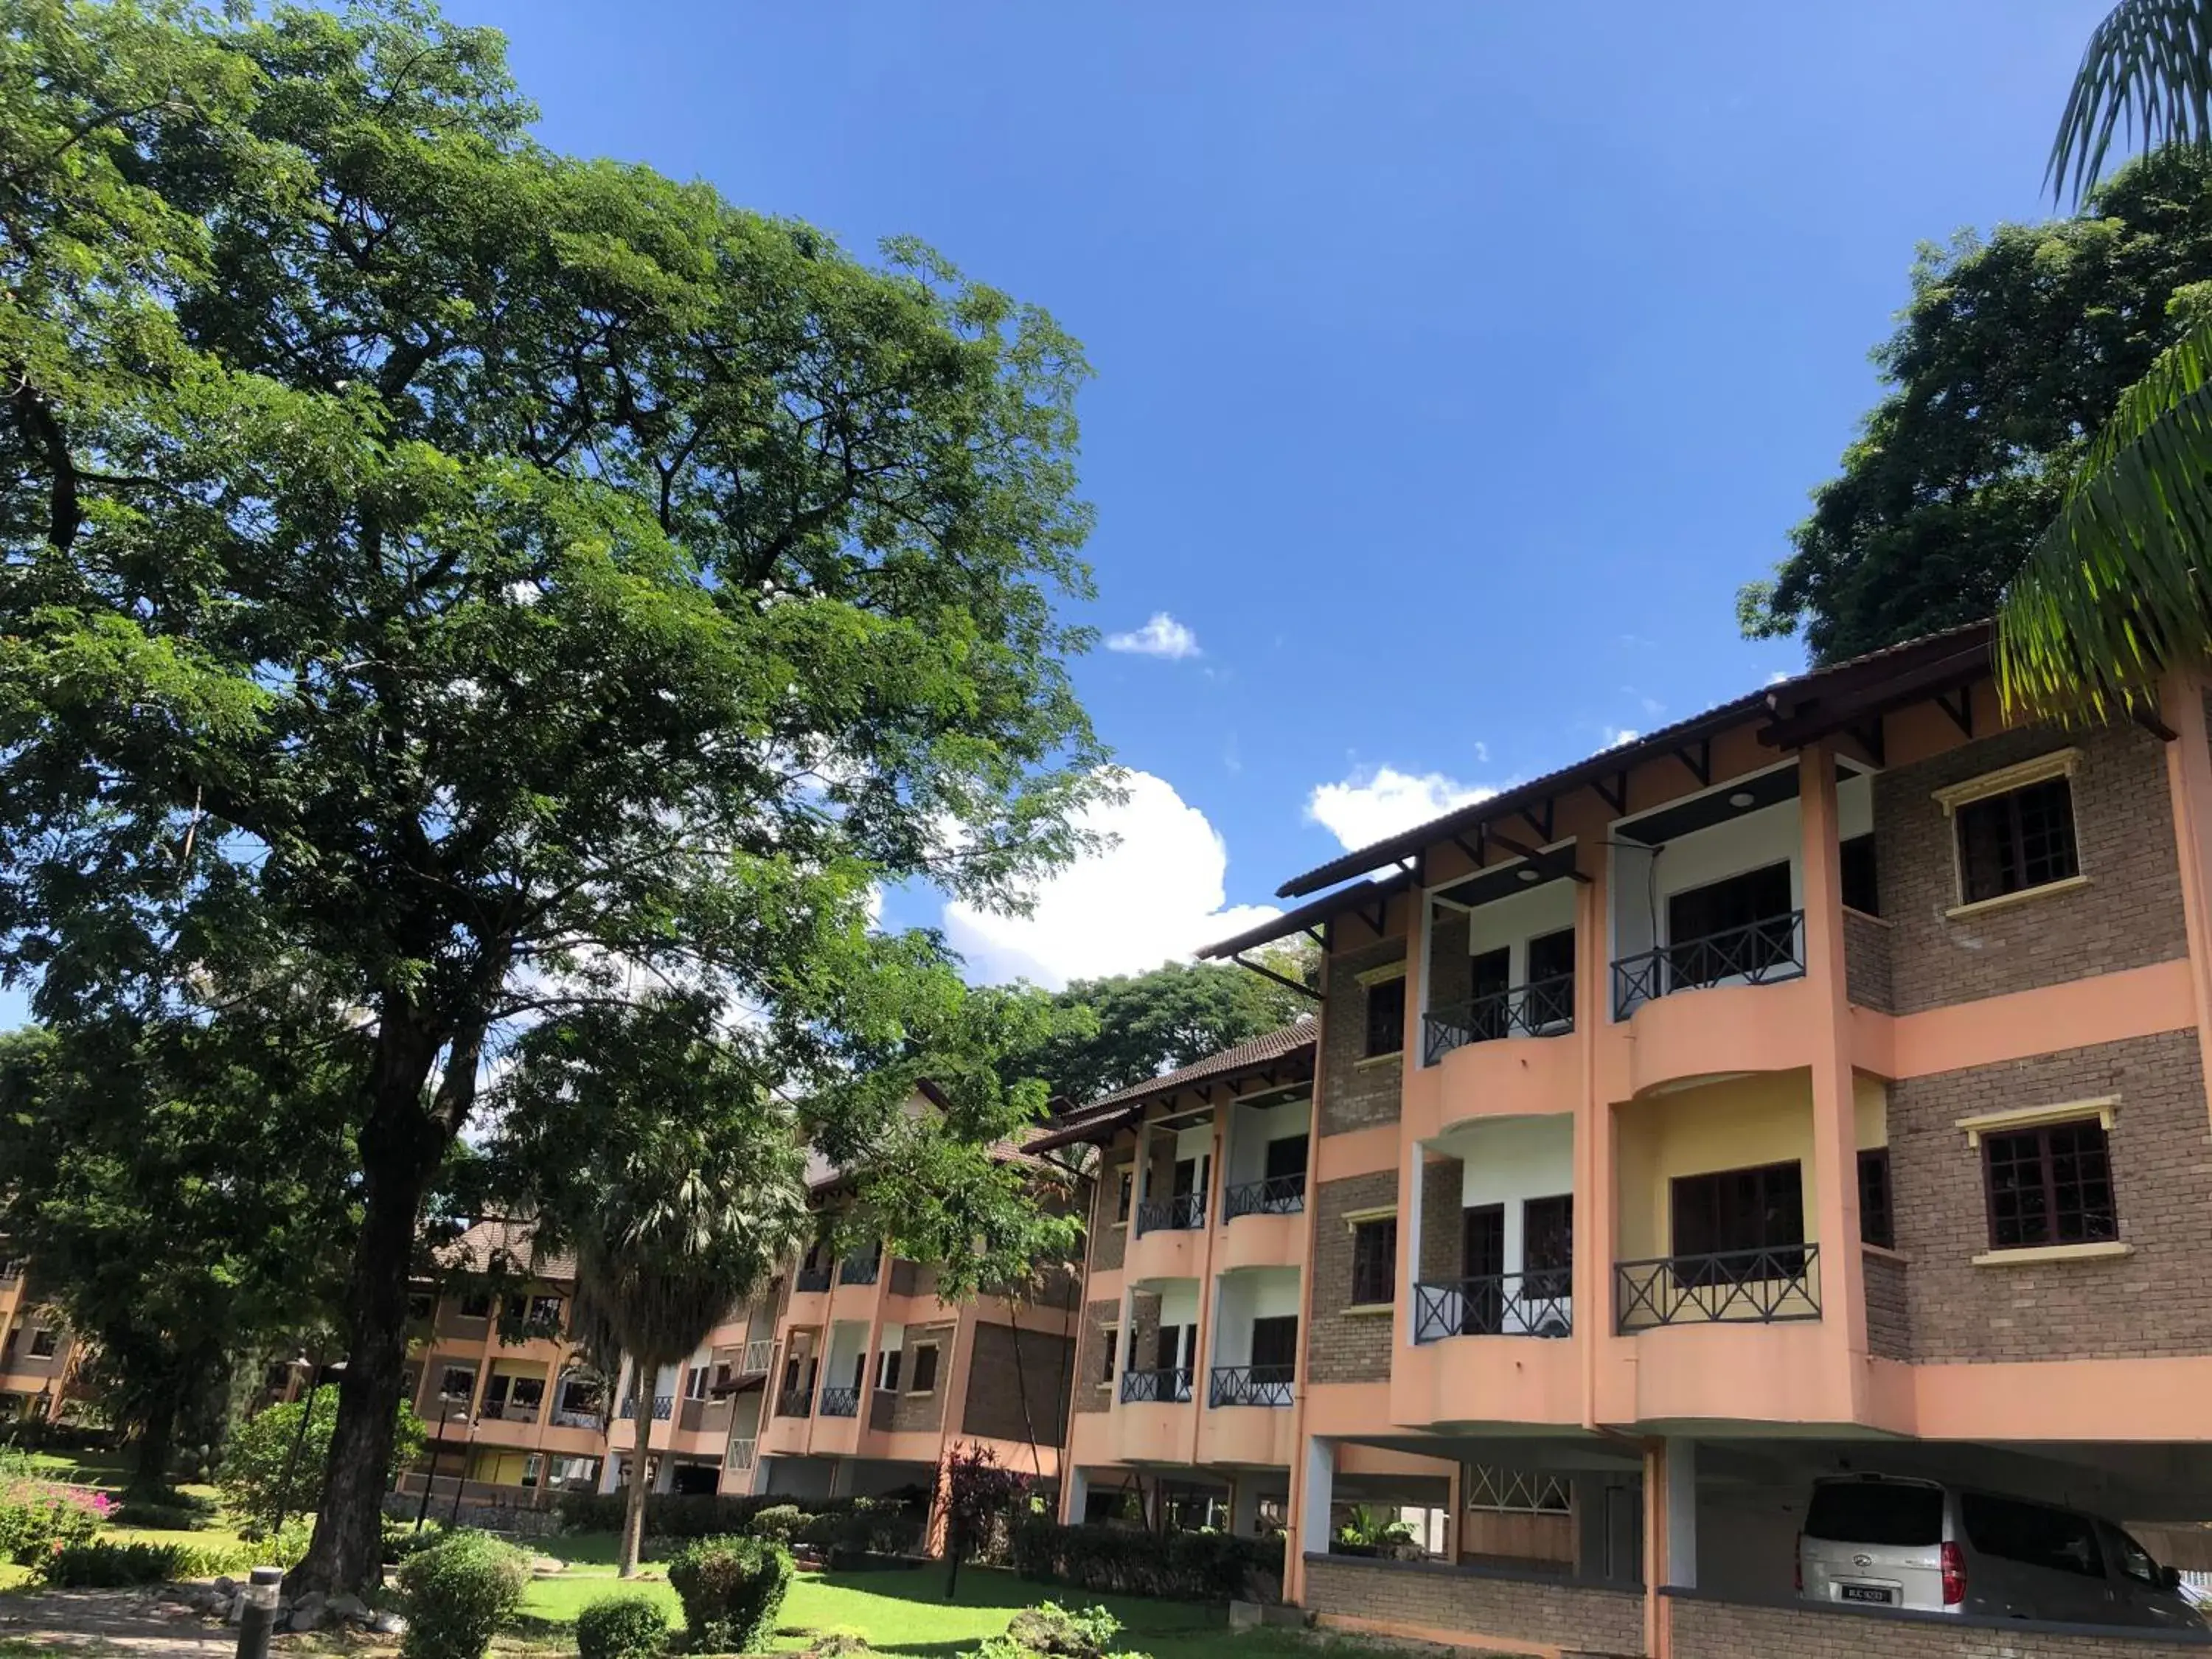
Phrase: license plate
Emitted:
{"points": [[1877, 1594]]}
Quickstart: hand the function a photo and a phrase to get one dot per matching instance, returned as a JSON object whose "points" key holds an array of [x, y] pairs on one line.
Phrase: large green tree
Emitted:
{"points": [[491, 582], [1113, 1033], [2012, 353], [179, 1204]]}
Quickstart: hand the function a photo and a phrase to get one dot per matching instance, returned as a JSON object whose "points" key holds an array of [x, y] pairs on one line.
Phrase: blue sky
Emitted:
{"points": [[1456, 363]]}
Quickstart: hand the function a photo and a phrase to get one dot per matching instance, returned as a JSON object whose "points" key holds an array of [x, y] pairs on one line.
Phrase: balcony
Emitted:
{"points": [[1761, 953], [858, 1270], [1167, 1386], [795, 1402], [840, 1402], [741, 1453], [1249, 1385], [755, 1357], [512, 1411], [1543, 1007], [566, 1418], [813, 1279], [1277, 1196], [1539, 1303], [1768, 1286], [1185, 1212], [663, 1405]]}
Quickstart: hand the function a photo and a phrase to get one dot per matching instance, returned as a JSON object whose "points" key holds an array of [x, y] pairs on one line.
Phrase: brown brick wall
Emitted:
{"points": [[1558, 1612], [1353, 1096], [923, 1411], [1089, 1393], [2129, 915], [1724, 1630], [1017, 1384], [1144, 1321], [2150, 1303], [1344, 1347], [1889, 1327], [1451, 973], [1866, 962], [1443, 1185], [1107, 1240]]}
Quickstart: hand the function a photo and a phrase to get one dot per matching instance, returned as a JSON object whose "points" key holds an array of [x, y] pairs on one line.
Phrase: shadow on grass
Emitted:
{"points": [[995, 1588]]}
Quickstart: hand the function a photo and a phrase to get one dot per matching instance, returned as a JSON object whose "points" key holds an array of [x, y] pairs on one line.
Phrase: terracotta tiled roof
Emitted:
{"points": [[1101, 1115], [503, 1244]]}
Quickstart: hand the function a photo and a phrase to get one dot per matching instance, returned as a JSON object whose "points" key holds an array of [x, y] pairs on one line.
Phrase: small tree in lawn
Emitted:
{"points": [[978, 1490]]}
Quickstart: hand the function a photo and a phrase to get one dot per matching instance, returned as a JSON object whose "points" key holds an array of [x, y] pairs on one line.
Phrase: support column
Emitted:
{"points": [[1679, 1466], [2189, 786], [1074, 1495], [1245, 1505], [1835, 1113], [1596, 1187], [1316, 1492]]}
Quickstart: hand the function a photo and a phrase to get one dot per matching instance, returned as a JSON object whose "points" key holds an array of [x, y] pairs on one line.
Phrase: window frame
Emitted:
{"points": [[49, 1335], [1379, 1258], [445, 1376], [1850, 851], [1778, 1250], [1386, 999], [888, 1364], [471, 1298], [2014, 839], [1871, 1160], [2040, 1133], [920, 1386], [1109, 1339]]}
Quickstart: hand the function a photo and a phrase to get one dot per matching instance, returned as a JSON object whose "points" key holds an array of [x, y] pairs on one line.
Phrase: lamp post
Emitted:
{"points": [[462, 1480], [430, 1476], [301, 1362]]}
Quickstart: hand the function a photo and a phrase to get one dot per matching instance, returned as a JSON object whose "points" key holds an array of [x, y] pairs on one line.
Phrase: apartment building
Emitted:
{"points": [[1815, 1086], [38, 1356]]}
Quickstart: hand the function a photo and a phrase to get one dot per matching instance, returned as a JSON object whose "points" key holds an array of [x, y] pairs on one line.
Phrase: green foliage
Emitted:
{"points": [[99, 1564], [1049, 1628], [252, 1477], [780, 1523], [1199, 1566], [401, 1540], [1117, 1033], [2149, 65], [457, 1594], [2013, 350], [37, 1517], [732, 1589], [1372, 1528], [455, 583], [865, 1527], [150, 1515], [630, 1627]]}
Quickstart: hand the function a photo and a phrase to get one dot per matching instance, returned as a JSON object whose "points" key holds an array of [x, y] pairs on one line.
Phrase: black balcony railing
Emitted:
{"points": [[840, 1402], [1543, 1007], [814, 1278], [1536, 1303], [1730, 1287], [1277, 1196], [1249, 1385], [1184, 1212], [1757, 953], [858, 1270], [794, 1402], [663, 1404], [1168, 1387]]}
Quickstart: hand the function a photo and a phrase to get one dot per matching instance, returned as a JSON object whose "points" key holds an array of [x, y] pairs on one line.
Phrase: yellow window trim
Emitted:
{"points": [[2035, 1253], [2103, 1107], [1367, 1309], [1383, 975], [2006, 901], [2059, 763], [1381, 1212], [1371, 1062]]}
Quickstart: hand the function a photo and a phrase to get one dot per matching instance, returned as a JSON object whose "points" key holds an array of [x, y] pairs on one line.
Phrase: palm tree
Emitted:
{"points": [[2114, 592], [676, 1177]]}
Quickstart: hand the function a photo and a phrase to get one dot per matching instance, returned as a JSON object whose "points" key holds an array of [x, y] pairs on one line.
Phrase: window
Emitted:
{"points": [[11, 1269], [1547, 1247], [1386, 1016], [2010, 842], [580, 1395], [1714, 931], [1126, 1192], [545, 1310], [2049, 1185], [420, 1304], [44, 1341], [2058, 1540], [457, 1383], [1756, 1216], [1550, 979], [1490, 975], [1109, 1338], [1274, 1348], [1286, 1156], [476, 1304], [1862, 890], [695, 1383], [533, 1466], [925, 1368], [1877, 1222], [1907, 1514], [1375, 1261], [527, 1394], [2137, 1562], [887, 1371]]}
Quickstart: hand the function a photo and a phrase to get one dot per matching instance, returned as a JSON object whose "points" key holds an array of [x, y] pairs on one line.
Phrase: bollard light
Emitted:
{"points": [[259, 1617]]}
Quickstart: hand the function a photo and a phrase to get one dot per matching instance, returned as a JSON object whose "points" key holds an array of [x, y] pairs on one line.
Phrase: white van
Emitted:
{"points": [[1877, 1541]]}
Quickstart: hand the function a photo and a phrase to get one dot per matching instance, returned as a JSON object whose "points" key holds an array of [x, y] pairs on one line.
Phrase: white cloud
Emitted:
{"points": [[1162, 636], [1158, 893], [1617, 735], [1369, 804]]}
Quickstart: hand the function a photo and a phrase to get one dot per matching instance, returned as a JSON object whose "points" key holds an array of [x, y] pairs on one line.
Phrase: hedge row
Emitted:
{"points": [[712, 1515], [1192, 1566]]}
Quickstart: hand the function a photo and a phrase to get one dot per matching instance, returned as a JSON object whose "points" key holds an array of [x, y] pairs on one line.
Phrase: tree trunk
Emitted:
{"points": [[156, 1434], [633, 1536], [400, 1147]]}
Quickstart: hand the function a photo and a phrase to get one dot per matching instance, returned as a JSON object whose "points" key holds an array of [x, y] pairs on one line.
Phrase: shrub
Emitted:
{"points": [[629, 1627], [781, 1523], [458, 1593], [1046, 1628], [732, 1589], [263, 1446], [1197, 1566], [154, 1515], [402, 1541], [100, 1564], [37, 1517]]}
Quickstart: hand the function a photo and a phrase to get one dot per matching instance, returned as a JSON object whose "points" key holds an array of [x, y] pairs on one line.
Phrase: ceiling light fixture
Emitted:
{"points": [[1741, 799], [1527, 875]]}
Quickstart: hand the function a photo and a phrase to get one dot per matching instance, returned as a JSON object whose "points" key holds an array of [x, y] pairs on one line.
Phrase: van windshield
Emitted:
{"points": [[1875, 1512]]}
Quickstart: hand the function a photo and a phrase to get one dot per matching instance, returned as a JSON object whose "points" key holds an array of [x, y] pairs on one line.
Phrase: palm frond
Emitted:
{"points": [[2148, 68], [2115, 590]]}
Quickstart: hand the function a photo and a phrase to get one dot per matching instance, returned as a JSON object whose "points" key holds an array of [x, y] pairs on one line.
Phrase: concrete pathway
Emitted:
{"points": [[138, 1622]]}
